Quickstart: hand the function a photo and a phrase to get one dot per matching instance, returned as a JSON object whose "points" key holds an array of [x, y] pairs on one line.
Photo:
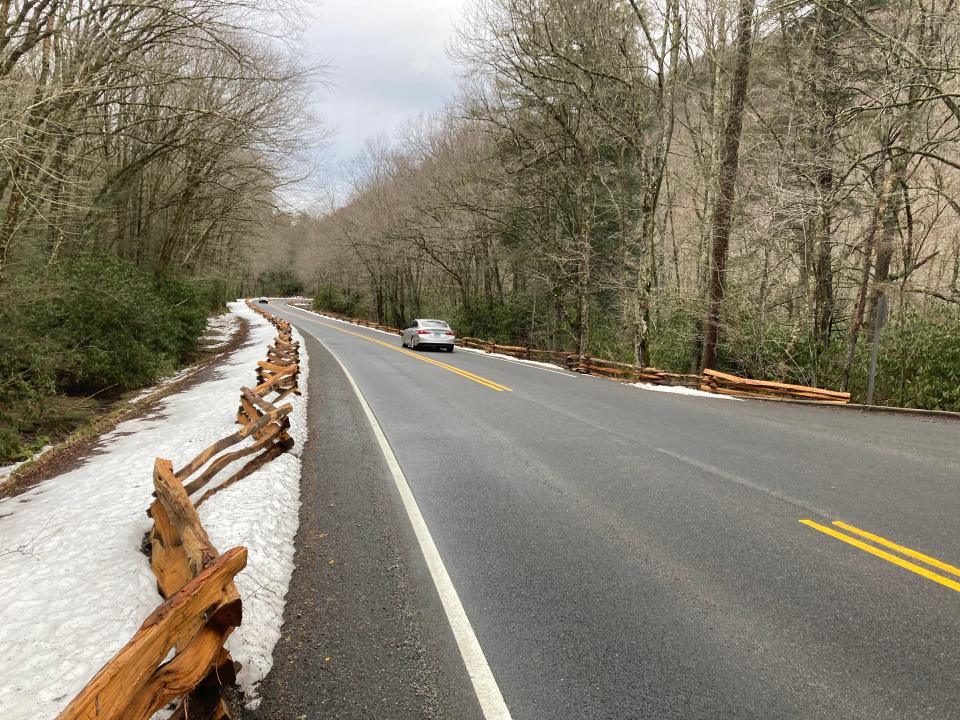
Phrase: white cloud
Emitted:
{"points": [[389, 61]]}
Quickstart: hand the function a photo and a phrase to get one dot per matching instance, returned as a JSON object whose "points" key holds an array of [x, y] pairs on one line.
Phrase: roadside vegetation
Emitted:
{"points": [[710, 184], [142, 149]]}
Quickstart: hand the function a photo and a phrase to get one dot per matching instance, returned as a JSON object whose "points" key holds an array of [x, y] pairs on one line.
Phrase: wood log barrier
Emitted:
{"points": [[726, 384], [137, 682], [202, 605]]}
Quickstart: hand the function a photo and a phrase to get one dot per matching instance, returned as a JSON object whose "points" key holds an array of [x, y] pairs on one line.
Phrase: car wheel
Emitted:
{"points": [[450, 349]]}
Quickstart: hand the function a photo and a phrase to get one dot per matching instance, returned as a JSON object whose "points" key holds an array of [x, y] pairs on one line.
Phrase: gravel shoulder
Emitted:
{"points": [[364, 633]]}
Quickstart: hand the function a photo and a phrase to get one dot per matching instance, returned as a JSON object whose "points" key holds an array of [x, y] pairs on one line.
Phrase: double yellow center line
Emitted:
{"points": [[458, 371], [890, 557]]}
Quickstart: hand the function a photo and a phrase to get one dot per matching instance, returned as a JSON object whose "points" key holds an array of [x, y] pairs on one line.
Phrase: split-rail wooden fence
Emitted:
{"points": [[202, 606], [726, 384]]}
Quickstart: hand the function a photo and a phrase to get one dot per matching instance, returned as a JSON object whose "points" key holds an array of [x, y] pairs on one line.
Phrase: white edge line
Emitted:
{"points": [[481, 676], [534, 364]]}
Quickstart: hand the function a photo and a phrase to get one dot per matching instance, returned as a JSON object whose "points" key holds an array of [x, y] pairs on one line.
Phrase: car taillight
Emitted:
{"points": [[423, 332], [448, 333]]}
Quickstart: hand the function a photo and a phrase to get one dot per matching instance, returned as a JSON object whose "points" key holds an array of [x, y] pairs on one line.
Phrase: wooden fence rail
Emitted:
{"points": [[726, 384], [202, 605], [137, 682], [710, 380]]}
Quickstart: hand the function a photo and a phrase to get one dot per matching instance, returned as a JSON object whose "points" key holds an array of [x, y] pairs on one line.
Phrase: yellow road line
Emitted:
{"points": [[458, 371], [883, 554], [899, 548]]}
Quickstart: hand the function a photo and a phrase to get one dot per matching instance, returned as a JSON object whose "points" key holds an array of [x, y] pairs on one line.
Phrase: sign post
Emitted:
{"points": [[877, 327]]}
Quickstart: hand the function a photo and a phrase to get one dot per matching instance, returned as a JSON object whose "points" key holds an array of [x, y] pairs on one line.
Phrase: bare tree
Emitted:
{"points": [[727, 178]]}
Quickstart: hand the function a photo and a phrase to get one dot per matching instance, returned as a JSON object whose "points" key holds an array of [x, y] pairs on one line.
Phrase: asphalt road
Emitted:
{"points": [[622, 553]]}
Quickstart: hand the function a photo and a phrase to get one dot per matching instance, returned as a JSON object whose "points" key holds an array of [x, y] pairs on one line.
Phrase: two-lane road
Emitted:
{"points": [[630, 554]]}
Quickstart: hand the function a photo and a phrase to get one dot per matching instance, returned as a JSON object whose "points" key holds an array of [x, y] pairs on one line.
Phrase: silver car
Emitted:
{"points": [[428, 333]]}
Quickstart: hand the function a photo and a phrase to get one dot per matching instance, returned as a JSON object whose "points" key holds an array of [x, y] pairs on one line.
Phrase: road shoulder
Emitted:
{"points": [[364, 632]]}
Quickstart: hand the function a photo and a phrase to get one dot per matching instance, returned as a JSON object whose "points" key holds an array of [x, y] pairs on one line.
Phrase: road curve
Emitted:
{"points": [[622, 553]]}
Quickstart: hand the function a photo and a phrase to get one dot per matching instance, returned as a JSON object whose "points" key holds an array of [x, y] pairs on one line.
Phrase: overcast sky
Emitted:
{"points": [[389, 61]]}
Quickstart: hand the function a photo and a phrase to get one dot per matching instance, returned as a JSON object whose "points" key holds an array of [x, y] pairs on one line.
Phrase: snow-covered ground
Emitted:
{"points": [[74, 586], [219, 331], [683, 391]]}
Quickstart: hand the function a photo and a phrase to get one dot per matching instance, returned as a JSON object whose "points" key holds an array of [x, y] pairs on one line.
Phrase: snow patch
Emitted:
{"points": [[678, 390], [162, 384], [521, 361], [7, 470], [74, 586], [219, 331]]}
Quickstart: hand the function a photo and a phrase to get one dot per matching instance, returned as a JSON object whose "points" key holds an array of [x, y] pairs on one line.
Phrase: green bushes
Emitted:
{"points": [[90, 327], [504, 323], [338, 300], [673, 340], [918, 364]]}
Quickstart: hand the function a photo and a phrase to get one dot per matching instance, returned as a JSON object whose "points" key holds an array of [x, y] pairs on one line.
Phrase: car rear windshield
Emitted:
{"points": [[434, 324]]}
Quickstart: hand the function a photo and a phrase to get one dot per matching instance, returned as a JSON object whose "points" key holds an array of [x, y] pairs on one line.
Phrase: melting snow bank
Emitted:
{"points": [[7, 470], [683, 391], [219, 330], [74, 586]]}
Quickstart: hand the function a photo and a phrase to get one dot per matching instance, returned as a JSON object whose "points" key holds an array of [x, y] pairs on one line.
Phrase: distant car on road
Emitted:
{"points": [[428, 333], [263, 301]]}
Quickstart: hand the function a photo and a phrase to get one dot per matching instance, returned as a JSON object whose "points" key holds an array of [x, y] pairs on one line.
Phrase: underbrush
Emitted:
{"points": [[82, 332]]}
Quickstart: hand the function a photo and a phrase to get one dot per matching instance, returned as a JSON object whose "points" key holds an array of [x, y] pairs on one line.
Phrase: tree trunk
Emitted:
{"points": [[827, 103], [729, 165]]}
